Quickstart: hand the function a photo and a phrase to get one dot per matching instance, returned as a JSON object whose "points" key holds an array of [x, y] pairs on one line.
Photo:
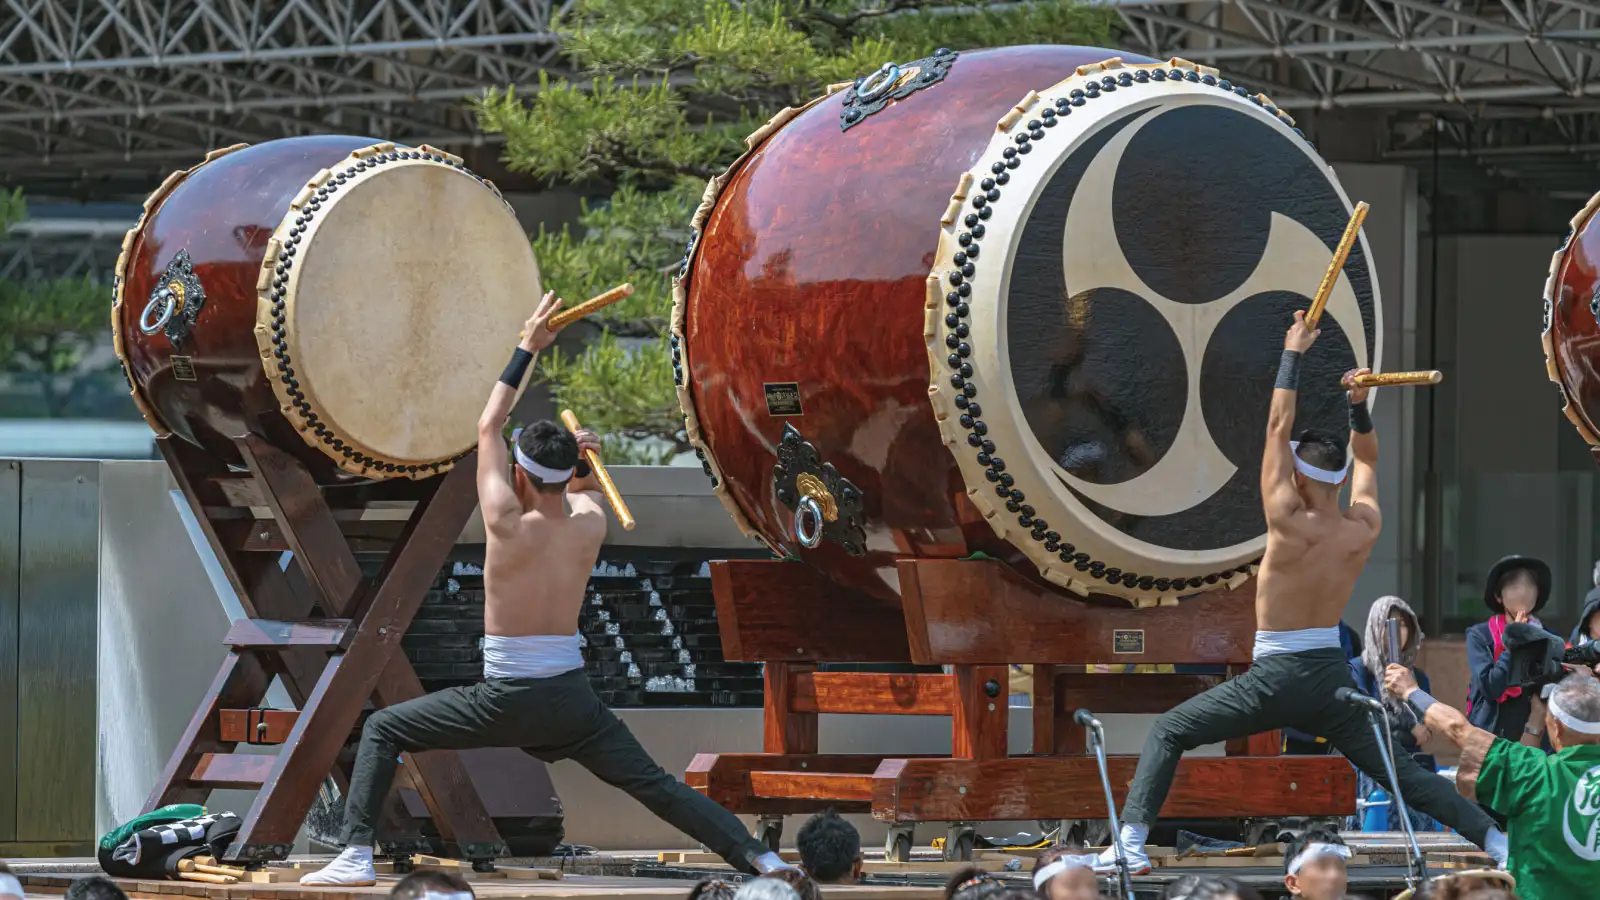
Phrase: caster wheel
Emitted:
{"points": [[769, 831], [403, 865], [958, 842], [897, 847], [483, 866]]}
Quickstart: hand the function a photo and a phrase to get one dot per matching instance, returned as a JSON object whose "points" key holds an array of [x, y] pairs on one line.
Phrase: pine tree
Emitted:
{"points": [[47, 327], [661, 99]]}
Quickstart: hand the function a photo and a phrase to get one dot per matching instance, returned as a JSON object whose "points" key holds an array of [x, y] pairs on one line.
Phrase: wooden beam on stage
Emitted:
{"points": [[232, 771], [1068, 787], [784, 729], [830, 786], [981, 612], [871, 693], [804, 627]]}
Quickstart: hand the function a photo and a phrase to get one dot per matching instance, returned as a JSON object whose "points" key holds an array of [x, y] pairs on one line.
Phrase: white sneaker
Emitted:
{"points": [[1106, 862], [352, 868]]}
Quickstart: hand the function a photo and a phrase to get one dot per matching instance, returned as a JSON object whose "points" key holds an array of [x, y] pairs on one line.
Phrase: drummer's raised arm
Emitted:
{"points": [[1278, 496], [496, 496]]}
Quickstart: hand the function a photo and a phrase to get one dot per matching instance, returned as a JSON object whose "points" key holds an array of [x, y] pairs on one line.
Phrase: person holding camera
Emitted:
{"points": [[1516, 589], [1551, 802]]}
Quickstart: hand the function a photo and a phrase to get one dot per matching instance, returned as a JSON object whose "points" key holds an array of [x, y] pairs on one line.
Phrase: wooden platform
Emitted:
{"points": [[573, 886]]}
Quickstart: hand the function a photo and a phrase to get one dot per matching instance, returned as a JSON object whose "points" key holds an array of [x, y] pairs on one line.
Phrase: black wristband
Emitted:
{"points": [[517, 369], [1288, 371], [582, 469], [1360, 418]]}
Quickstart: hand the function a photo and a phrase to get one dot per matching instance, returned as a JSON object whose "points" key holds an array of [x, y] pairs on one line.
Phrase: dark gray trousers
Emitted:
{"points": [[552, 719], [1293, 690]]}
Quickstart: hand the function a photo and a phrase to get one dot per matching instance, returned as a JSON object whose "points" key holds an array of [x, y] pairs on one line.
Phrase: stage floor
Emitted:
{"points": [[1379, 872]]}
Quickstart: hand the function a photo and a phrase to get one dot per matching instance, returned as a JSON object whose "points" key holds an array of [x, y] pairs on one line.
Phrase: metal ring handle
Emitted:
{"points": [[878, 83], [169, 302], [808, 505]]}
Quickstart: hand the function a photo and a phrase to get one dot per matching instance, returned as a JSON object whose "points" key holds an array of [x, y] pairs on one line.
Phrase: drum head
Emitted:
{"points": [[399, 284], [1106, 315]]}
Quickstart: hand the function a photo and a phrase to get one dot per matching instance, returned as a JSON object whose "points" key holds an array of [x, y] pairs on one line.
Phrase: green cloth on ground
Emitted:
{"points": [[177, 812], [1552, 807]]}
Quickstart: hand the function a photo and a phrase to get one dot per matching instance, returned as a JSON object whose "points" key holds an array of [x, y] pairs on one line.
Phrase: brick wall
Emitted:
{"points": [[649, 630]]}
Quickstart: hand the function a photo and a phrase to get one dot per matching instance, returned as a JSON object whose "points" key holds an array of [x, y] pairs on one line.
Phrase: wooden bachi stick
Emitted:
{"points": [[1392, 379], [613, 496], [1331, 277], [567, 316]]}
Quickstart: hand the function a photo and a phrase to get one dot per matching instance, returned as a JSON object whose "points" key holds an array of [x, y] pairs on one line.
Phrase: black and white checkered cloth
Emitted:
{"points": [[166, 836]]}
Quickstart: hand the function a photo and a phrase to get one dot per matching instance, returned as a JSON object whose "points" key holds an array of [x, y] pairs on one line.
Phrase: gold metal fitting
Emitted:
{"points": [[811, 486]]}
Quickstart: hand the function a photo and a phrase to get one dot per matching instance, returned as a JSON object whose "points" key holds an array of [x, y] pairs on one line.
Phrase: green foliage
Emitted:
{"points": [[47, 328], [662, 96]]}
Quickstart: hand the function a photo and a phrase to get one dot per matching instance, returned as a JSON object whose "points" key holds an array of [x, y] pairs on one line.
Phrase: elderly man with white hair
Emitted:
{"points": [[1551, 802]]}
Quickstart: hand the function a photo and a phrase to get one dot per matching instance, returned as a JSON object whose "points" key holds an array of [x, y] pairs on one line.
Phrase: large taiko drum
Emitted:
{"points": [[349, 300], [1571, 331], [1026, 303]]}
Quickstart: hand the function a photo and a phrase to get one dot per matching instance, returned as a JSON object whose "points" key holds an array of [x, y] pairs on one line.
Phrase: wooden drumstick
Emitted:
{"points": [[205, 865], [567, 316], [613, 496], [1391, 379], [1331, 277]]}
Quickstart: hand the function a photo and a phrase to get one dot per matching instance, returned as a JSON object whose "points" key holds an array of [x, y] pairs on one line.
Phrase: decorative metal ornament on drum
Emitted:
{"points": [[346, 299], [1572, 324], [1095, 315]]}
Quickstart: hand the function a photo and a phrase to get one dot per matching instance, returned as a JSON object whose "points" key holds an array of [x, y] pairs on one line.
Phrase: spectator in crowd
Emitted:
{"points": [[803, 884], [1490, 885], [1209, 887], [973, 883], [95, 887], [1314, 865], [830, 849], [1551, 803], [1060, 875], [1517, 587], [1409, 732], [10, 887], [1587, 631], [713, 889], [765, 889], [429, 884]]}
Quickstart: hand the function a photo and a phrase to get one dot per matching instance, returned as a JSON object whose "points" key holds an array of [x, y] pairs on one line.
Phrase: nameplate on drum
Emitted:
{"points": [[183, 368], [783, 399], [1129, 640]]}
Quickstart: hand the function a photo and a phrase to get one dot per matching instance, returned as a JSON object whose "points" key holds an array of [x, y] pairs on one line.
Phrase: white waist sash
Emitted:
{"points": [[530, 656], [1272, 643]]}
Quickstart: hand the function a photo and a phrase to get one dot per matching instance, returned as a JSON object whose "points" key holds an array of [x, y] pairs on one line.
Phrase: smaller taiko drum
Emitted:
{"points": [[351, 301], [1571, 332]]}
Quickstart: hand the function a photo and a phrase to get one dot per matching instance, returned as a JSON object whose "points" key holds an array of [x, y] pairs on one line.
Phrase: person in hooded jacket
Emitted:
{"points": [[1516, 589], [1408, 733], [1587, 631]]}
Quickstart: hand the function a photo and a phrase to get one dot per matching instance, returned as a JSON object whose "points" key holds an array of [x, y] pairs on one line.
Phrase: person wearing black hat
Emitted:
{"points": [[1517, 587]]}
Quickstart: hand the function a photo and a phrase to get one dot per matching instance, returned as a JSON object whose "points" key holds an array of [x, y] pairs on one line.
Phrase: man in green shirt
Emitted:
{"points": [[1551, 802]]}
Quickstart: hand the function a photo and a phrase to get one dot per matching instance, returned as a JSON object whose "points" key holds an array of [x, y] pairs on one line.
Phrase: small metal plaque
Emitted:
{"points": [[1127, 640], [183, 368], [783, 399]]}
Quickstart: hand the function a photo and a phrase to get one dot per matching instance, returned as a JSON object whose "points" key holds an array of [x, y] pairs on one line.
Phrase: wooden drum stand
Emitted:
{"points": [[331, 634], [978, 616]]}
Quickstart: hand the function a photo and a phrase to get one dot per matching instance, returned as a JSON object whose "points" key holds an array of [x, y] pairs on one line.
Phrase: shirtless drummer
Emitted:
{"points": [[1315, 550], [545, 525]]}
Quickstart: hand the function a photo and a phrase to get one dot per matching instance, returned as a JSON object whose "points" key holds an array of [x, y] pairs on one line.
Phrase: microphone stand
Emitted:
{"points": [[1418, 867], [1097, 739]]}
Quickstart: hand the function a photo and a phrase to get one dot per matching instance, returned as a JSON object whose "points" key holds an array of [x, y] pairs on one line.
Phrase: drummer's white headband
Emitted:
{"points": [[543, 473], [1314, 852], [10, 885], [1568, 719], [1314, 473], [1059, 866]]}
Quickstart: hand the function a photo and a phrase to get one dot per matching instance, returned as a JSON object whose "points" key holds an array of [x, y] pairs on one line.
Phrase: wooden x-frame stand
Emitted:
{"points": [[976, 617], [333, 636]]}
